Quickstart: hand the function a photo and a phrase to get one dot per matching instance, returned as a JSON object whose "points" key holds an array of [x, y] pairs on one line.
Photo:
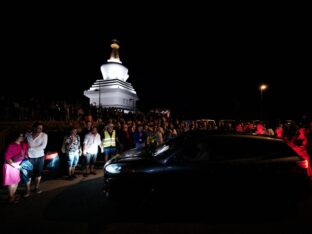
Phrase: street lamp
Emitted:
{"points": [[262, 88]]}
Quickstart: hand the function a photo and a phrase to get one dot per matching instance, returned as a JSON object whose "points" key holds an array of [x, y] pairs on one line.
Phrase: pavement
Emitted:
{"points": [[79, 206], [37, 212]]}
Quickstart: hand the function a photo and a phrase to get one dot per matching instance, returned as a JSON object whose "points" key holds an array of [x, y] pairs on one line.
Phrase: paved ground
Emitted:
{"points": [[79, 206]]}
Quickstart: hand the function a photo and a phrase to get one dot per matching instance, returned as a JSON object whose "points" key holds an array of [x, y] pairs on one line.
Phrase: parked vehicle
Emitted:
{"points": [[200, 161], [206, 124]]}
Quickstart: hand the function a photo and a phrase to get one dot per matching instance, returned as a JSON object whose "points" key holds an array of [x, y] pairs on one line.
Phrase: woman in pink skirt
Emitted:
{"points": [[14, 155]]}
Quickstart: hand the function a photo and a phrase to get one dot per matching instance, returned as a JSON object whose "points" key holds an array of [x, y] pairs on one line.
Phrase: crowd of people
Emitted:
{"points": [[116, 132]]}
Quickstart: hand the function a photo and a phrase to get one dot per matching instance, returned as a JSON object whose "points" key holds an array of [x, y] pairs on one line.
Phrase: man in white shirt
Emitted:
{"points": [[37, 141], [91, 143]]}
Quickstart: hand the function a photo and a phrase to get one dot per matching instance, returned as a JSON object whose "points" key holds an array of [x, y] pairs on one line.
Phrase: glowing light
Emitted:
{"points": [[51, 155], [263, 87], [113, 168], [303, 164], [115, 46]]}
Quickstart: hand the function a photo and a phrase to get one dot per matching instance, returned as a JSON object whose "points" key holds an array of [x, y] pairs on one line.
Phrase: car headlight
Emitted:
{"points": [[113, 168]]}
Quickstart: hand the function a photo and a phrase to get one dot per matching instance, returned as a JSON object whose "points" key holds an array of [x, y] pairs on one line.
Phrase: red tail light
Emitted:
{"points": [[303, 164]]}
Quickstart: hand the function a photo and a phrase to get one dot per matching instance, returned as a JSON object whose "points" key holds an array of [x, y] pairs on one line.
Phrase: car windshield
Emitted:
{"points": [[169, 146]]}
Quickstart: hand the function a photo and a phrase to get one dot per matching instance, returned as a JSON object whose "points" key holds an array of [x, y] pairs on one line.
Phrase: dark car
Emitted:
{"points": [[208, 163]]}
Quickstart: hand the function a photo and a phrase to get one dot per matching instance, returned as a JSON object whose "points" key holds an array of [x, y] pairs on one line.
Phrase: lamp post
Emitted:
{"points": [[262, 88], [132, 100], [99, 114], [99, 89], [99, 97]]}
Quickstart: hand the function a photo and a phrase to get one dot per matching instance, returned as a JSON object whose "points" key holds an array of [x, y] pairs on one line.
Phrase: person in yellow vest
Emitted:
{"points": [[109, 142]]}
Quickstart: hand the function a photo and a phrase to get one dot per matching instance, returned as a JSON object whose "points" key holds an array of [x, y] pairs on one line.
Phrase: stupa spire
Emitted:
{"points": [[114, 54]]}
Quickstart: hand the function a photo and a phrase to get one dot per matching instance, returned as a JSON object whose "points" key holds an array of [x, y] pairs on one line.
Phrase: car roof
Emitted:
{"points": [[206, 120], [207, 133]]}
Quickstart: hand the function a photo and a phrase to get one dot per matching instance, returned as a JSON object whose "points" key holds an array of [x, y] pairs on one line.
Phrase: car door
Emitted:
{"points": [[189, 169]]}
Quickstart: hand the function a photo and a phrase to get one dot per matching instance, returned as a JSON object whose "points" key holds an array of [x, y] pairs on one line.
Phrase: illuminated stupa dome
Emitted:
{"points": [[113, 90], [114, 69]]}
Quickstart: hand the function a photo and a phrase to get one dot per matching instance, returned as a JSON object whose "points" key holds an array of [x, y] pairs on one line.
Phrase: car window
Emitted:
{"points": [[196, 151], [227, 148], [172, 146]]}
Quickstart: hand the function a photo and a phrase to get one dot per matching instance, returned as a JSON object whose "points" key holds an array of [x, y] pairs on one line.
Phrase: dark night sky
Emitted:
{"points": [[211, 64]]}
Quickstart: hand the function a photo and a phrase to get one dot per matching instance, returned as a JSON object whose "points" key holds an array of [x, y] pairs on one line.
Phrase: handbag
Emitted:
{"points": [[26, 165], [26, 168]]}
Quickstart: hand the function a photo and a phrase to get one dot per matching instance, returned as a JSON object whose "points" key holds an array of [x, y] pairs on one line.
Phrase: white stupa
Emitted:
{"points": [[113, 90]]}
